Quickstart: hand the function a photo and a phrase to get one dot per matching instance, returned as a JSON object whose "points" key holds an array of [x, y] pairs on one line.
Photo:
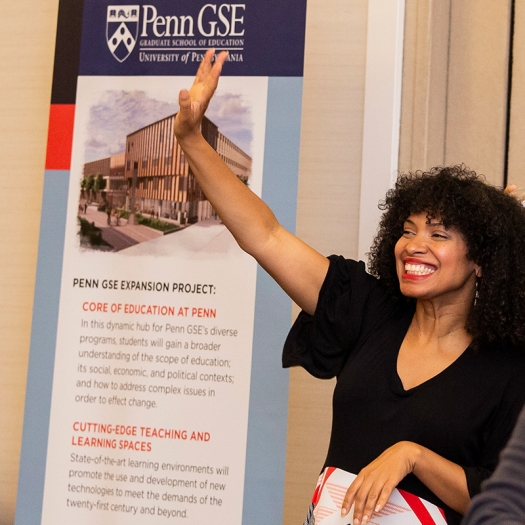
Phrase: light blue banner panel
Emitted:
{"points": [[266, 451], [42, 352]]}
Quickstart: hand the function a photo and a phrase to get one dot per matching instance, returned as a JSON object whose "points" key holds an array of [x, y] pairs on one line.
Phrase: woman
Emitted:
{"points": [[502, 501], [424, 349]]}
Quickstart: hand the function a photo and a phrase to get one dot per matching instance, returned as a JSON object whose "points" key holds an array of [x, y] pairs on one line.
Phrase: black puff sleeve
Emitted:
{"points": [[320, 343]]}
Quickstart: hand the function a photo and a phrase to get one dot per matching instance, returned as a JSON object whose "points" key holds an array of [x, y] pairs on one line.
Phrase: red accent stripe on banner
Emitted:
{"points": [[60, 136], [419, 509]]}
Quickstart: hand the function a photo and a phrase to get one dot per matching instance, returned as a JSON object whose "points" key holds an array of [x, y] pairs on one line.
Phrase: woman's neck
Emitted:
{"points": [[434, 320]]}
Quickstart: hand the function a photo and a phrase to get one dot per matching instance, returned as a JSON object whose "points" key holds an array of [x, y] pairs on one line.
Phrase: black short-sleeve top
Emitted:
{"points": [[465, 413]]}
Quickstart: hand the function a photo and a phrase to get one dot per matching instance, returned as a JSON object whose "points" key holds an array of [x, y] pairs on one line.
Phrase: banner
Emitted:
{"points": [[154, 387]]}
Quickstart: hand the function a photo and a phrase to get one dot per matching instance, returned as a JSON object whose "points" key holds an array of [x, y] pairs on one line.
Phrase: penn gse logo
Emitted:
{"points": [[122, 25]]}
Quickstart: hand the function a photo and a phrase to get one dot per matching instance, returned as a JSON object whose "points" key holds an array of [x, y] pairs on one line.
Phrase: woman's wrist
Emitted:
{"points": [[414, 454], [190, 140]]}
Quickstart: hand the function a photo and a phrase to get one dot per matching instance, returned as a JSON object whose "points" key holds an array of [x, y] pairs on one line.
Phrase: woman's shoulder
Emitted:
{"points": [[347, 281], [351, 304], [501, 354], [346, 273], [343, 270], [501, 363]]}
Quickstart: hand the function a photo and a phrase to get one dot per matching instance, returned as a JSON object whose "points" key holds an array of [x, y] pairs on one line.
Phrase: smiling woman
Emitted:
{"points": [[427, 348], [460, 208], [440, 320]]}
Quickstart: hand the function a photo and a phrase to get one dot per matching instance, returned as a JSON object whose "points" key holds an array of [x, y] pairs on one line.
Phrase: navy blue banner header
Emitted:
{"points": [[166, 37]]}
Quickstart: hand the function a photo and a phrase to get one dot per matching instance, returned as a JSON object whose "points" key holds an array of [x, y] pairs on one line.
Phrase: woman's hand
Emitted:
{"points": [[373, 486], [371, 489], [193, 103]]}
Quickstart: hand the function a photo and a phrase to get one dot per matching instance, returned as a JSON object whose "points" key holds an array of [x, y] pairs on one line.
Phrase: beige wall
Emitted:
{"points": [[27, 34], [517, 110], [455, 85], [328, 207], [453, 111]]}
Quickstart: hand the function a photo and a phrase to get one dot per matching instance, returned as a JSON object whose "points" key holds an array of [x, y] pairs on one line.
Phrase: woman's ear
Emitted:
{"points": [[479, 273]]}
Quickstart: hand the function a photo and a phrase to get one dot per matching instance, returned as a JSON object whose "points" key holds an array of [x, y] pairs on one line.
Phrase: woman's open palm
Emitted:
{"points": [[194, 102]]}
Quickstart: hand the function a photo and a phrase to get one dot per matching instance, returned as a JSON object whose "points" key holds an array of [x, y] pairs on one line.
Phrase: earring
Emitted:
{"points": [[476, 293]]}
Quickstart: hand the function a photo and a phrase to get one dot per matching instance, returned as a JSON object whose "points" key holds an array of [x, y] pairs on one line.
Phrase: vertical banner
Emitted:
{"points": [[155, 393]]}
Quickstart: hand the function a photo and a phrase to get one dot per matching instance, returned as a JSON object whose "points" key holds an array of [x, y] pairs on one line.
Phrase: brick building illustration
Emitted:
{"points": [[153, 177]]}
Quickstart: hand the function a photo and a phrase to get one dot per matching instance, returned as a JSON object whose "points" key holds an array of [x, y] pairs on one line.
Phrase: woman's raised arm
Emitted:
{"points": [[297, 268]]}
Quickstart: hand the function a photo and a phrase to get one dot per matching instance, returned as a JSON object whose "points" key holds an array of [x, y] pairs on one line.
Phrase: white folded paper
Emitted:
{"points": [[402, 508]]}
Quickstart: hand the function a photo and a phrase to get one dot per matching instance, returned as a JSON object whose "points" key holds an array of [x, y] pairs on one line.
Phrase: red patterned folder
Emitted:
{"points": [[402, 508]]}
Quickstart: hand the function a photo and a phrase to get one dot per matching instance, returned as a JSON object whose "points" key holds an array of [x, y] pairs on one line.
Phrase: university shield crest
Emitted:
{"points": [[122, 24]]}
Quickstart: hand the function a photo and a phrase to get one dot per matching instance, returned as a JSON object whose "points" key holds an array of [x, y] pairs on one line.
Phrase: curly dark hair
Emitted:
{"points": [[493, 225]]}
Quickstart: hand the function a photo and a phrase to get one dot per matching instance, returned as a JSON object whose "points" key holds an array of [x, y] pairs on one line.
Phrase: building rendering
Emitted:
{"points": [[115, 184], [153, 177], [159, 179]]}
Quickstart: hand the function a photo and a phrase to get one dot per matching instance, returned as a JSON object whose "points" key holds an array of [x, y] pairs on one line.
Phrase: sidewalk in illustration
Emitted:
{"points": [[122, 236], [205, 238]]}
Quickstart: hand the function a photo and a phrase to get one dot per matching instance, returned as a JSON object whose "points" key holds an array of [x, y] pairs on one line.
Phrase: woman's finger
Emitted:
{"points": [[211, 81], [383, 497], [217, 66], [204, 67], [369, 499], [350, 495], [364, 503], [376, 500], [184, 100]]}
